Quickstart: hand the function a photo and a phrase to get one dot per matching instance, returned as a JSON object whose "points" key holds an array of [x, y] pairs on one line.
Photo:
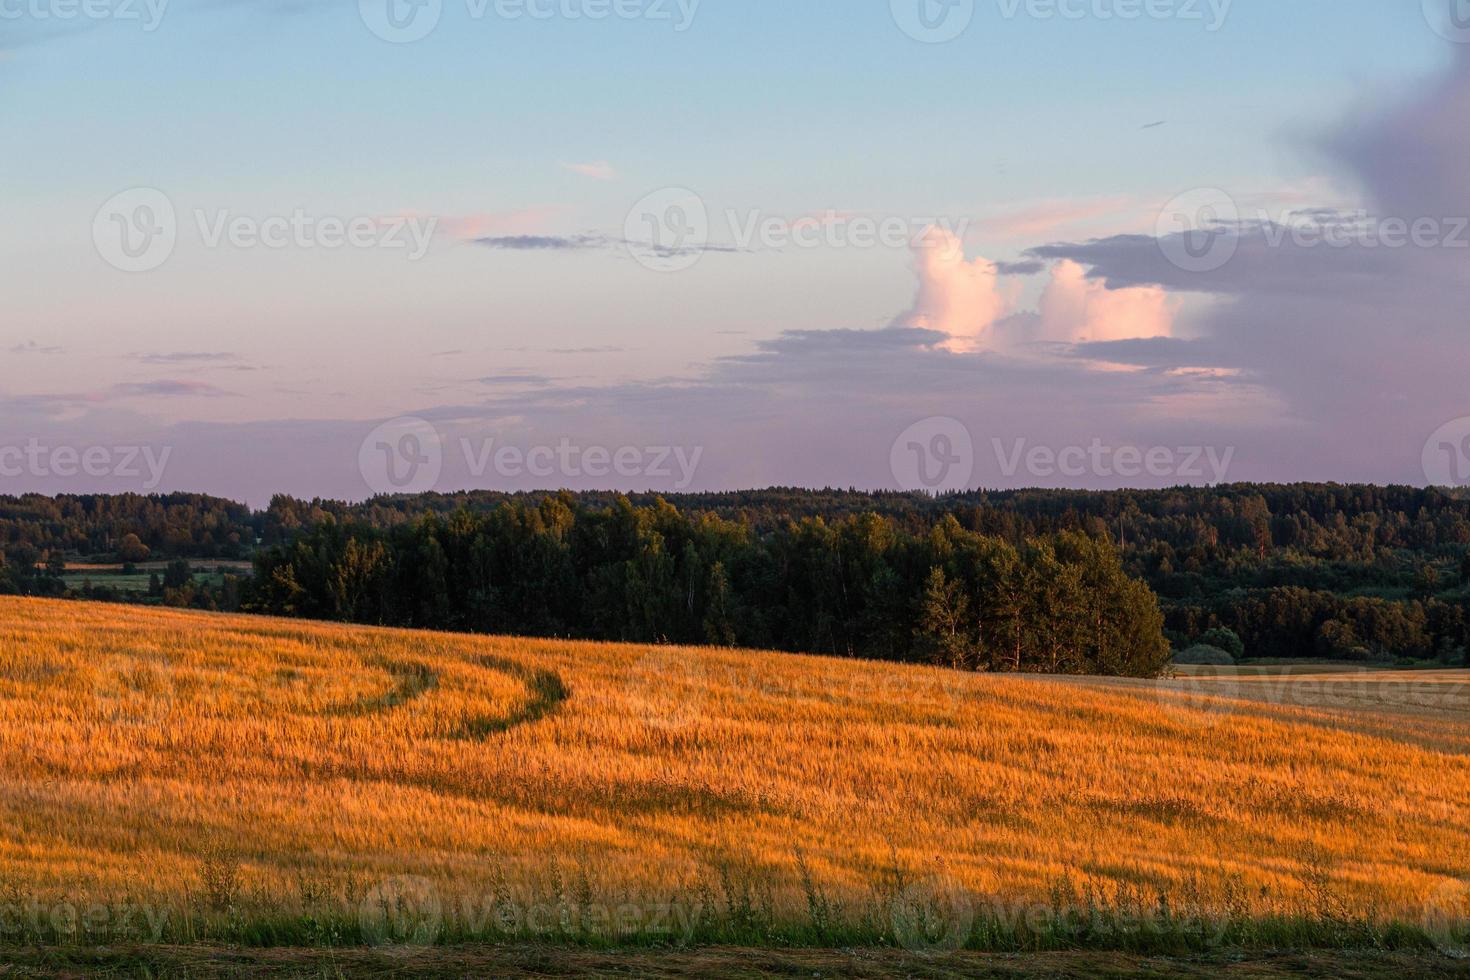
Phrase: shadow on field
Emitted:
{"points": [[413, 681], [545, 688], [527, 961], [547, 692]]}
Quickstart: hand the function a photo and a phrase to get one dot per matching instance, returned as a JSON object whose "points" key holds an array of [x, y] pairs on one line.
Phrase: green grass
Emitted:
{"points": [[137, 582], [729, 905], [200, 962]]}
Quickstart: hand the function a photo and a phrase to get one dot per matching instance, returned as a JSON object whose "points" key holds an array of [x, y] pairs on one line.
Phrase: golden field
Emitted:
{"points": [[136, 746]]}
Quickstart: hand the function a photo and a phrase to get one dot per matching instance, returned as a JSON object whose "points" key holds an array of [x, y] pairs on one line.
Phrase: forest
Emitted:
{"points": [[1294, 571], [857, 587]]}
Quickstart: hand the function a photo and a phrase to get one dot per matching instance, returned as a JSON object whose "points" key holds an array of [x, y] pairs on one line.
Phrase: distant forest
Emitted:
{"points": [[986, 580]]}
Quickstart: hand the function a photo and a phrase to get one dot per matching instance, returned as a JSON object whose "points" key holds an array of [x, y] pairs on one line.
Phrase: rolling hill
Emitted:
{"points": [[179, 775]]}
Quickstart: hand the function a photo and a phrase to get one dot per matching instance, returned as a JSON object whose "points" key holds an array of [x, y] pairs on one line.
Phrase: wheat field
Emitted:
{"points": [[254, 766]]}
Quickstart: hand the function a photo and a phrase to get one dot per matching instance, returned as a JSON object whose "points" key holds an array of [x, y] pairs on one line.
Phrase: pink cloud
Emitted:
{"points": [[1040, 219], [968, 301], [524, 221], [958, 297], [1075, 309], [599, 170]]}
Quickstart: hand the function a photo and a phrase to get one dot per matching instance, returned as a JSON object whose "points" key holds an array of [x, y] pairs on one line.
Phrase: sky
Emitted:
{"points": [[337, 249]]}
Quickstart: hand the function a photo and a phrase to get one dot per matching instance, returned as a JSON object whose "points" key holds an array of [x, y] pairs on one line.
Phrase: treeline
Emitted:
{"points": [[1385, 570], [859, 586], [1196, 525], [1187, 542], [178, 525], [1293, 622], [1183, 538]]}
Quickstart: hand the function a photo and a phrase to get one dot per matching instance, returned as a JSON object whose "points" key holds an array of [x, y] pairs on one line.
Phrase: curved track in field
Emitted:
{"points": [[414, 680], [546, 692]]}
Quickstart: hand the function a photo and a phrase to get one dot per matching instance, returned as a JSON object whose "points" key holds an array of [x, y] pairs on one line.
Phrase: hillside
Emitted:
{"points": [[255, 779]]}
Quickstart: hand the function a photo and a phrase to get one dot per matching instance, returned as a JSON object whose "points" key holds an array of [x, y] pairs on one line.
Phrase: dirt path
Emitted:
{"points": [[523, 961]]}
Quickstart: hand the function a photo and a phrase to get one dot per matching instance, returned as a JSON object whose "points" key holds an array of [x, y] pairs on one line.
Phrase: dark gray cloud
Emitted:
{"points": [[1265, 258], [188, 357], [165, 389], [845, 343], [596, 242], [1024, 267], [1158, 352], [548, 243], [1411, 153], [1366, 344], [515, 379], [46, 404]]}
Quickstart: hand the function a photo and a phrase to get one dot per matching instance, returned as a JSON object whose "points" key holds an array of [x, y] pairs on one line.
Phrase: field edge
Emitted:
{"points": [[551, 961]]}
